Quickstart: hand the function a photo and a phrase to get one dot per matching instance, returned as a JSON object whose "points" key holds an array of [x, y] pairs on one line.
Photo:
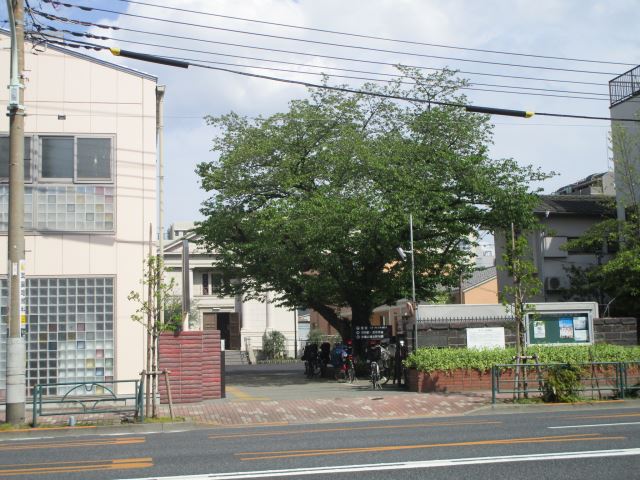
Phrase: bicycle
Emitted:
{"points": [[375, 375], [347, 370]]}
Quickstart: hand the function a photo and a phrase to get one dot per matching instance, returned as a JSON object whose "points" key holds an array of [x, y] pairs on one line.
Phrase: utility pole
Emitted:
{"points": [[16, 345], [160, 132]]}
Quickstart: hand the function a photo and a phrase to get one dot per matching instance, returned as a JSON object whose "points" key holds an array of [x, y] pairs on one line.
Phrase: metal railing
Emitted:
{"points": [[624, 86], [611, 378], [88, 397]]}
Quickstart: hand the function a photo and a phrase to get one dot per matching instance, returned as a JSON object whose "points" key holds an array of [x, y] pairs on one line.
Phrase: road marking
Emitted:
{"points": [[345, 429], [615, 415], [253, 456], [453, 462], [75, 466], [598, 425], [243, 396], [73, 444]]}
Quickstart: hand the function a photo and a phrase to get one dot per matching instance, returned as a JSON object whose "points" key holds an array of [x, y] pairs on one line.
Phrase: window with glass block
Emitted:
{"points": [[70, 331]]}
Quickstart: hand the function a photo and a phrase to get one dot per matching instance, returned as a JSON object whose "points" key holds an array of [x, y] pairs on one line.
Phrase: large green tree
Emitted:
{"points": [[312, 202]]}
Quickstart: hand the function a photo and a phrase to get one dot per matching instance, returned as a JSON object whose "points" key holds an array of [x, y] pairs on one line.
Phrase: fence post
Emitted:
{"points": [[34, 420], [493, 384], [622, 372]]}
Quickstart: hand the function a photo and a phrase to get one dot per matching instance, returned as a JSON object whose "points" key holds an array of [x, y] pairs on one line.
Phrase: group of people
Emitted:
{"points": [[388, 353]]}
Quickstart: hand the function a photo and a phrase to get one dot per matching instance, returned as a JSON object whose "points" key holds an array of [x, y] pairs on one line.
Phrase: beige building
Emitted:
{"points": [[241, 322], [90, 197]]}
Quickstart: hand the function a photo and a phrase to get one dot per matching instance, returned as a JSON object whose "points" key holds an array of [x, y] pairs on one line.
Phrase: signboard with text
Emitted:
{"points": [[489, 337], [372, 332]]}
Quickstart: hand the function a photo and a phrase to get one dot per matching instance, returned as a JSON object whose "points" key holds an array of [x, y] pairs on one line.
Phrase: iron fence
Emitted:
{"points": [[601, 378], [88, 397]]}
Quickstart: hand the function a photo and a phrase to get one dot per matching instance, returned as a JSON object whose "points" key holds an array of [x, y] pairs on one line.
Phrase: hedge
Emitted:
{"points": [[448, 359]]}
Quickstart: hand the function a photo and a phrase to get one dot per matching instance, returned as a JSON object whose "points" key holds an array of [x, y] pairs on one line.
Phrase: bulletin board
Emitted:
{"points": [[559, 328]]}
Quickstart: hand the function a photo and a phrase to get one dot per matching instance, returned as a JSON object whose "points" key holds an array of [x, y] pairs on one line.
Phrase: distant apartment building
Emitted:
{"points": [[90, 195], [561, 218]]}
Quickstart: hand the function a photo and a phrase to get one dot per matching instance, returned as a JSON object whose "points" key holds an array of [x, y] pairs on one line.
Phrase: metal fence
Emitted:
{"points": [[88, 397], [614, 379], [624, 86]]}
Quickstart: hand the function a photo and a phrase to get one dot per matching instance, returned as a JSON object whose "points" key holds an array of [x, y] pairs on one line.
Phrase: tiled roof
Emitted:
{"points": [[590, 205], [479, 277]]}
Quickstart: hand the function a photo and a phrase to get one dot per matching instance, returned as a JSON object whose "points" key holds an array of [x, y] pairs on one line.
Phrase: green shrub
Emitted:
{"points": [[449, 359], [273, 344], [315, 336], [562, 383]]}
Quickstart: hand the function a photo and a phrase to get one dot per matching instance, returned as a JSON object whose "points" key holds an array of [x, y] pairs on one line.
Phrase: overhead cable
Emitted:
{"points": [[374, 37], [379, 50], [371, 62], [468, 107]]}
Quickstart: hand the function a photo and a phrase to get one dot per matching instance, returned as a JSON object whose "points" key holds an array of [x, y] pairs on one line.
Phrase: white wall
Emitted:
{"points": [[96, 99]]}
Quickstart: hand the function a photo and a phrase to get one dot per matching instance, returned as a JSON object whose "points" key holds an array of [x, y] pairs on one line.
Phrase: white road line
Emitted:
{"points": [[598, 425], [292, 472]]}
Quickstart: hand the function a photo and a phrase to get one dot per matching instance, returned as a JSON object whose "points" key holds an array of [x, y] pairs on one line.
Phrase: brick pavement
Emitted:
{"points": [[229, 413], [217, 412]]}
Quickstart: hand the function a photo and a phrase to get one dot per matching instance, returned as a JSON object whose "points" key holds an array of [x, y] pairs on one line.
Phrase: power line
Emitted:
{"points": [[473, 83], [518, 77], [374, 37], [379, 50], [467, 107]]}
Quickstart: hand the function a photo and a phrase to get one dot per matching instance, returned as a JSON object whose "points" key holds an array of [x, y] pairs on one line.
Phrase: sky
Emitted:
{"points": [[584, 29]]}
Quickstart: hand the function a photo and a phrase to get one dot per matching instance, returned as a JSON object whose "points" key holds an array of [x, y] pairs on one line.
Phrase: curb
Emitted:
{"points": [[87, 430]]}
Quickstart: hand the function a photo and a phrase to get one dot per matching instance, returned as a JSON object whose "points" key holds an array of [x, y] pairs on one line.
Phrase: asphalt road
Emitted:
{"points": [[544, 443]]}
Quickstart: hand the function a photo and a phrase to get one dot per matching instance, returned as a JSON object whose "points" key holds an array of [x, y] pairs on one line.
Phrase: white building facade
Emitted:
{"points": [[242, 323], [90, 198]]}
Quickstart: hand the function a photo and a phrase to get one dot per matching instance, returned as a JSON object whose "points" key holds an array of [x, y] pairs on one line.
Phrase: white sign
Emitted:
{"points": [[581, 336], [488, 337], [539, 330]]}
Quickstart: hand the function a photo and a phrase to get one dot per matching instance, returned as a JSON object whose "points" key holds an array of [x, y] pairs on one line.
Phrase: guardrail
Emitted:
{"points": [[88, 397], [614, 378]]}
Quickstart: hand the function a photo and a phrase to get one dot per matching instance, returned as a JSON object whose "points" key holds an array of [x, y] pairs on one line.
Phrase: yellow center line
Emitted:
{"points": [[76, 466], [72, 444], [345, 429], [252, 456]]}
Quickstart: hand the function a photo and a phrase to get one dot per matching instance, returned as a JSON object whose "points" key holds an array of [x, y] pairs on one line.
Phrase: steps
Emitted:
{"points": [[235, 357]]}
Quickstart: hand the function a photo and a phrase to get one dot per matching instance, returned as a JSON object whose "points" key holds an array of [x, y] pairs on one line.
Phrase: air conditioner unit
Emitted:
{"points": [[552, 284]]}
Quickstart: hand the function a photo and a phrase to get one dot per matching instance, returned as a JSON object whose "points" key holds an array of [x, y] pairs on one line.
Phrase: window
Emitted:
{"points": [[94, 159], [205, 284], [4, 158], [57, 157], [81, 159]]}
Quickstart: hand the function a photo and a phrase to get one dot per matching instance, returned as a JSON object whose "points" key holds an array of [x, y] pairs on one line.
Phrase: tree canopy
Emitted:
{"points": [[313, 202]]}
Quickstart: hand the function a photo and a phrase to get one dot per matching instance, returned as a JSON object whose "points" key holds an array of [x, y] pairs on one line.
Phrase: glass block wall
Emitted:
{"points": [[70, 331], [4, 207], [69, 208]]}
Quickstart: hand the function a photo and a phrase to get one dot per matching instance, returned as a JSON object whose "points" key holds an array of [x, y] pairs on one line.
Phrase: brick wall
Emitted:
{"points": [[617, 331], [195, 362]]}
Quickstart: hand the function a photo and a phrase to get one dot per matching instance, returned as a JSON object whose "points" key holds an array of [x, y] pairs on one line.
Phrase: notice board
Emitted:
{"points": [[559, 328]]}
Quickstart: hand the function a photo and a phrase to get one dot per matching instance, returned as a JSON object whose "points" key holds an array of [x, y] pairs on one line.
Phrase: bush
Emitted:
{"points": [[273, 345], [315, 336], [562, 384], [449, 359]]}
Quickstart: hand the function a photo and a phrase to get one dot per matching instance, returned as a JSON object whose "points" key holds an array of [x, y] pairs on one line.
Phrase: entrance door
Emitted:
{"points": [[228, 324]]}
